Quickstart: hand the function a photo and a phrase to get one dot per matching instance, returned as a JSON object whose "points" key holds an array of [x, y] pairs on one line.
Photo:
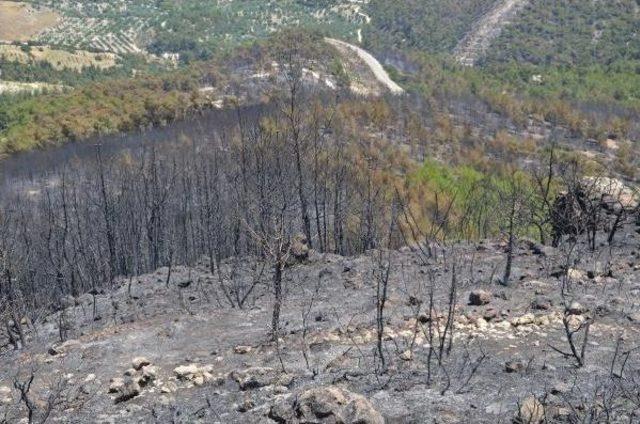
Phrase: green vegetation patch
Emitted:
{"points": [[433, 26], [571, 32]]}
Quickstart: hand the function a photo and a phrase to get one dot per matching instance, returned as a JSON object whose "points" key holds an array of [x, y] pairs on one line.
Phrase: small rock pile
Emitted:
{"points": [[258, 377], [130, 385], [326, 405], [530, 411], [5, 395], [194, 374]]}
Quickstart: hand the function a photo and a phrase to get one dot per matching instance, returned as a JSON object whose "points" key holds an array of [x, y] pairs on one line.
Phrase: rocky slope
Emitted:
{"points": [[162, 348]]}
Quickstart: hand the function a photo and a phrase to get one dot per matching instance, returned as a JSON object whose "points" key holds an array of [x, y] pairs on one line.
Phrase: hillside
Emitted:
{"points": [[478, 39], [536, 32], [571, 33], [434, 26], [539, 32], [328, 212], [160, 347], [245, 77], [193, 28]]}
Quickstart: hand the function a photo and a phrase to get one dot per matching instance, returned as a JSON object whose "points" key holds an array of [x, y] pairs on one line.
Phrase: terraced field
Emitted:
{"points": [[192, 26], [58, 59]]}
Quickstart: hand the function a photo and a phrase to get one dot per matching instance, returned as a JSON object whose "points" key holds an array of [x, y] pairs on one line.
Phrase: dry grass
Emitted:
{"points": [[21, 22], [59, 59]]}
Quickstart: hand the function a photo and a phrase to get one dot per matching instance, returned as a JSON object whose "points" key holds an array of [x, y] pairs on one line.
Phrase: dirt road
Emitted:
{"points": [[378, 71], [473, 46]]}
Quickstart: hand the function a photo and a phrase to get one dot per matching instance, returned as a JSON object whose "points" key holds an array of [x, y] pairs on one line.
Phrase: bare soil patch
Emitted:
{"points": [[21, 21]]}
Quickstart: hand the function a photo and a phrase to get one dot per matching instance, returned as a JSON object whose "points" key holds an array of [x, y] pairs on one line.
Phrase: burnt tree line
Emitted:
{"points": [[246, 190]]}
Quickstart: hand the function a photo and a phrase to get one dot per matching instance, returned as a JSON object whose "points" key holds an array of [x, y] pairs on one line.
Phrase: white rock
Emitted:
{"points": [[503, 325], [542, 320], [5, 395], [531, 411], [525, 319], [185, 371], [481, 323], [140, 362], [407, 355], [242, 350], [116, 385], [576, 308], [576, 274]]}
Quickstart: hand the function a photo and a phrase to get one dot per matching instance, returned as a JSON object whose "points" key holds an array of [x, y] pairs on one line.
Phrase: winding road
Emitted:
{"points": [[376, 68]]}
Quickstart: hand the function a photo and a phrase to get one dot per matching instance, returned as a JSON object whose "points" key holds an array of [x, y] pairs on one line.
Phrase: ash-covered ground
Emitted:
{"points": [[457, 346]]}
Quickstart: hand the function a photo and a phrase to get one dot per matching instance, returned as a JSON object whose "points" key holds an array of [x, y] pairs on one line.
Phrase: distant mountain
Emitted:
{"points": [[575, 32]]}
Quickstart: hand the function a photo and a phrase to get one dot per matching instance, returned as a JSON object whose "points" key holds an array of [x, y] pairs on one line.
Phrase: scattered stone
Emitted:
{"points": [[194, 374], [575, 321], [526, 319], [503, 325], [327, 405], [576, 308], [541, 304], [62, 348], [560, 387], [479, 297], [140, 362], [283, 413], [481, 323], [490, 314], [168, 387], [513, 366], [530, 411], [460, 319], [407, 355], [279, 390], [542, 320], [5, 395], [149, 374], [184, 371], [634, 317], [300, 247], [130, 372], [257, 377], [242, 350], [576, 274], [246, 405], [128, 391], [116, 384]]}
